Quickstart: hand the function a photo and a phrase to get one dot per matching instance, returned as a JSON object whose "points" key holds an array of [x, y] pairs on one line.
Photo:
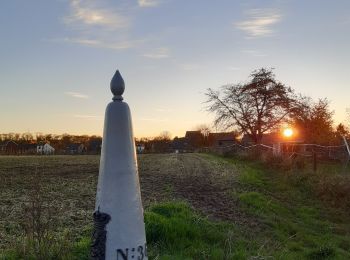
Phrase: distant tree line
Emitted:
{"points": [[59, 142], [62, 143]]}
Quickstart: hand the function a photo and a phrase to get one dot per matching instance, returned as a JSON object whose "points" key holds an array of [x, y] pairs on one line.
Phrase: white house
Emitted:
{"points": [[45, 149]]}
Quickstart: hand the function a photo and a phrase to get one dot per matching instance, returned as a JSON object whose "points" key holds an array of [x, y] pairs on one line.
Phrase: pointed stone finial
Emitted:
{"points": [[117, 86]]}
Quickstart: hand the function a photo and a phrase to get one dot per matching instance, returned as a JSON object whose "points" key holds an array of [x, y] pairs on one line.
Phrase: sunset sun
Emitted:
{"points": [[288, 132]]}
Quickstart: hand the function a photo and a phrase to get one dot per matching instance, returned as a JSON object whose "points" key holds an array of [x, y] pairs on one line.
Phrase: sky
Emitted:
{"points": [[57, 58]]}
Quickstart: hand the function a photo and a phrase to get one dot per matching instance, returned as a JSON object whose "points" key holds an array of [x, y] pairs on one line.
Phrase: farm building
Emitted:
{"points": [[27, 148], [195, 139], [8, 147], [221, 139], [45, 148], [76, 148]]}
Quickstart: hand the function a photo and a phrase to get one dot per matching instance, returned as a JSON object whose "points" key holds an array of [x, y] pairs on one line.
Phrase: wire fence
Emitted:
{"points": [[290, 150]]}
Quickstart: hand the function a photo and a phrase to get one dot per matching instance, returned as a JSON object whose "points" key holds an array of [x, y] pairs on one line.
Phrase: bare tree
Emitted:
{"points": [[165, 135], [162, 142], [253, 108], [204, 129]]}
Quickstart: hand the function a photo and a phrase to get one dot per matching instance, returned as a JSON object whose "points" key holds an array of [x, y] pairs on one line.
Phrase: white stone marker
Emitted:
{"points": [[119, 232]]}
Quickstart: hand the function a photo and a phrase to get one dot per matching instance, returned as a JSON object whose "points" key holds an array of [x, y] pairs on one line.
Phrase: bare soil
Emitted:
{"points": [[68, 184]]}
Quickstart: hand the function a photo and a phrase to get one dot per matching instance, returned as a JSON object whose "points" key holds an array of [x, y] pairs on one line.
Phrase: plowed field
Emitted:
{"points": [[67, 185]]}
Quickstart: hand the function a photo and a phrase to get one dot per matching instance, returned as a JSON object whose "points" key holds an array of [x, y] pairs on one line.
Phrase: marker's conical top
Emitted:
{"points": [[117, 86]]}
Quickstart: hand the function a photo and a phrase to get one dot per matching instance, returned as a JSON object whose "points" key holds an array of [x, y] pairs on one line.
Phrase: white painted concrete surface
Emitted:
{"points": [[118, 190]]}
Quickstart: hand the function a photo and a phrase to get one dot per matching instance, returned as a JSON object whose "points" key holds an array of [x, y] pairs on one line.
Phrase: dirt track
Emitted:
{"points": [[206, 184]]}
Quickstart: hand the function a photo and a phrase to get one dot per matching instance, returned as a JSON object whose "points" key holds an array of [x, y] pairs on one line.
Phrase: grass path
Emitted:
{"points": [[296, 224]]}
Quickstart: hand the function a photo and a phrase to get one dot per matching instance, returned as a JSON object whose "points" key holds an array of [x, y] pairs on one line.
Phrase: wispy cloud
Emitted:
{"points": [[76, 95], [159, 53], [87, 13], [88, 117], [259, 22], [96, 24], [148, 3], [115, 45]]}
